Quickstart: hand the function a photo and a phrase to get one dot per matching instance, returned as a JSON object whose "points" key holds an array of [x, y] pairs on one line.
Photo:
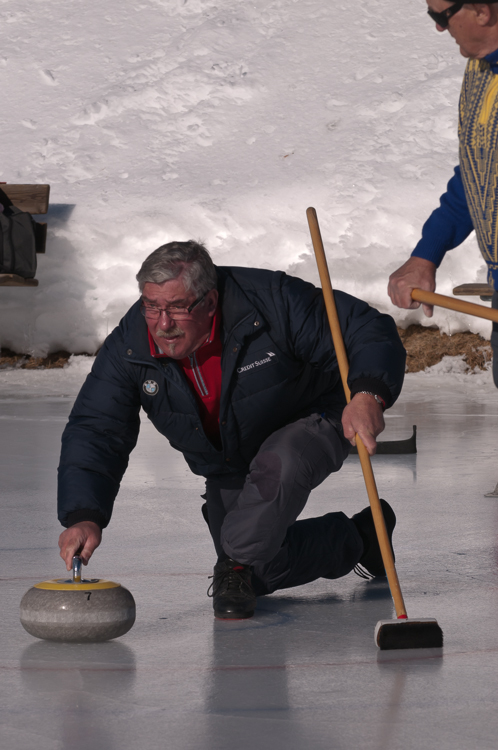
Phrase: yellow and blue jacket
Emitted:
{"points": [[471, 198]]}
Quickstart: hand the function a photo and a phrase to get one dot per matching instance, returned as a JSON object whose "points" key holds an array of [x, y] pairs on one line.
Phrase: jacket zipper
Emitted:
{"points": [[201, 385]]}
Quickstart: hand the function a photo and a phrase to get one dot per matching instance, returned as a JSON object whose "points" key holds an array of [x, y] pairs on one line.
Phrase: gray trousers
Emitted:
{"points": [[252, 517], [494, 341]]}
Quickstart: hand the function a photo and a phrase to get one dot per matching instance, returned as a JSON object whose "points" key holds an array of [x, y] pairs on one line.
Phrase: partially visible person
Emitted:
{"points": [[470, 202]]}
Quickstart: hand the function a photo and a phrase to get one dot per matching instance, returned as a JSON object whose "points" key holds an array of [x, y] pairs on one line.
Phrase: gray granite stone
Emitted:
{"points": [[78, 616]]}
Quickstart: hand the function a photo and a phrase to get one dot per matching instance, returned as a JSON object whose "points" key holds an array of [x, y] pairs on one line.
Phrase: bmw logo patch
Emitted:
{"points": [[150, 387]]}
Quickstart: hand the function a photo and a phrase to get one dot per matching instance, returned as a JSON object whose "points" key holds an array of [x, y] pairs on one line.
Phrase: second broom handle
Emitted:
{"points": [[441, 300]]}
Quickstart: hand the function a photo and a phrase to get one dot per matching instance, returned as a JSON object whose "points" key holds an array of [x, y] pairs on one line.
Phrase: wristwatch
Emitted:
{"points": [[379, 400]]}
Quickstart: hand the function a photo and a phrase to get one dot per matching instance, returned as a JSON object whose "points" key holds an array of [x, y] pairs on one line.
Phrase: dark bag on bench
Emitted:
{"points": [[17, 242]]}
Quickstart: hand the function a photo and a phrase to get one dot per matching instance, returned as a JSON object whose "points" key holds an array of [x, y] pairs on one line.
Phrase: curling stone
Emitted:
{"points": [[77, 610]]}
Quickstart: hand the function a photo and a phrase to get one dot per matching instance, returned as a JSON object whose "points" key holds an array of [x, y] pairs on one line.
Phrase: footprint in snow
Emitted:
{"points": [[48, 78]]}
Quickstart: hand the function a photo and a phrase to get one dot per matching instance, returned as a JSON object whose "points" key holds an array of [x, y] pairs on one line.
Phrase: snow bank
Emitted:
{"points": [[177, 119]]}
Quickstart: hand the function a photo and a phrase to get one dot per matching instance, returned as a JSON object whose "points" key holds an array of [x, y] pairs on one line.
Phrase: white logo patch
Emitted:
{"points": [[257, 363], [150, 387]]}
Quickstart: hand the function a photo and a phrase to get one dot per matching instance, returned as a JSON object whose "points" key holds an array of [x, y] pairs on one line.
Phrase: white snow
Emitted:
{"points": [[155, 120], [63, 382]]}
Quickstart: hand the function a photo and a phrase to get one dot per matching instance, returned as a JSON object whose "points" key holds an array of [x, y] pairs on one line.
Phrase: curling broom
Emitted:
{"points": [[389, 634]]}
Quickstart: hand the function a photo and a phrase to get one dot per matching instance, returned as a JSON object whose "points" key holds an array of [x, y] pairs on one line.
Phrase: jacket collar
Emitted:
{"points": [[492, 59], [134, 331], [240, 318]]}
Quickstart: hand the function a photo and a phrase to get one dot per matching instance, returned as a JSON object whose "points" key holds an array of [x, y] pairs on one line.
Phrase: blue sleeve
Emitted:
{"points": [[448, 226], [97, 441]]}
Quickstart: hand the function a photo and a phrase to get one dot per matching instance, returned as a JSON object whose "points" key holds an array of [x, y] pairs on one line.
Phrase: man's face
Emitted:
{"points": [[465, 28], [179, 338]]}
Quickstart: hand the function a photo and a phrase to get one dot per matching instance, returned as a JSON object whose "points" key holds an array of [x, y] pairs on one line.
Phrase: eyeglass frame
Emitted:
{"points": [[442, 18], [184, 310]]}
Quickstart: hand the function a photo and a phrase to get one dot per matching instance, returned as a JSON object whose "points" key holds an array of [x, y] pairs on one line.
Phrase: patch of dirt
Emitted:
{"points": [[10, 359], [426, 347]]}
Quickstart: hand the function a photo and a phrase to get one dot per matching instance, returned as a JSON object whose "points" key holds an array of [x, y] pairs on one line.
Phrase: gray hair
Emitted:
{"points": [[188, 259]]}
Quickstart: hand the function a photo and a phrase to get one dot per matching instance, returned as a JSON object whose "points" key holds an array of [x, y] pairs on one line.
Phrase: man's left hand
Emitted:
{"points": [[363, 416]]}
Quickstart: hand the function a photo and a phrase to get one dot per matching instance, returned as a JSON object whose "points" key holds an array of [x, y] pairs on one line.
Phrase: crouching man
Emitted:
{"points": [[236, 368]]}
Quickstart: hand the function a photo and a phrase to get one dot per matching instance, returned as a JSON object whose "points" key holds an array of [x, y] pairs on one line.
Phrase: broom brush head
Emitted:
{"points": [[404, 633]]}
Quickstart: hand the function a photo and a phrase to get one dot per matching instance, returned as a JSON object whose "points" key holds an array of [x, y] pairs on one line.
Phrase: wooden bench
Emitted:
{"points": [[484, 291], [35, 200]]}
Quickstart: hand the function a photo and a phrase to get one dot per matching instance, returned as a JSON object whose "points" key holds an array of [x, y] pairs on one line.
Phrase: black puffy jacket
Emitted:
{"points": [[278, 364]]}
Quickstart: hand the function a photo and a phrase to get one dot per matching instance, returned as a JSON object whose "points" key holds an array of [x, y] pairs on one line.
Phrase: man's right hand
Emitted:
{"points": [[81, 539], [416, 273]]}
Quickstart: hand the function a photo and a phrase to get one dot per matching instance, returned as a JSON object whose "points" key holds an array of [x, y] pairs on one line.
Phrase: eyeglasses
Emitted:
{"points": [[443, 18], [173, 312]]}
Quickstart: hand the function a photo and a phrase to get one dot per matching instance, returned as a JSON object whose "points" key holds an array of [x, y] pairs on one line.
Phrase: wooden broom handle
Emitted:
{"points": [[366, 465], [441, 300]]}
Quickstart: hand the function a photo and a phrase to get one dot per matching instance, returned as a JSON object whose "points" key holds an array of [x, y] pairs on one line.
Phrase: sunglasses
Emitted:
{"points": [[443, 18]]}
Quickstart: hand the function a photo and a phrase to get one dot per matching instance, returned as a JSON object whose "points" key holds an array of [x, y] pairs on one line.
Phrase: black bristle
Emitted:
{"points": [[409, 634]]}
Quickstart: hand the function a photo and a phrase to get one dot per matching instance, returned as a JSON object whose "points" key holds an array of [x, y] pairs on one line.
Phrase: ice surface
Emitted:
{"points": [[304, 672], [177, 119]]}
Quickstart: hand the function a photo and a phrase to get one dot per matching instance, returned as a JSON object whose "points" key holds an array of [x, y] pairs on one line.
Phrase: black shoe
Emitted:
{"points": [[371, 559], [232, 591]]}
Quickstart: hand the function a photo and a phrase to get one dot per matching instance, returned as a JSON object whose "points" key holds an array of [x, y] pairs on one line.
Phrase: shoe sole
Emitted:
{"points": [[232, 616]]}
